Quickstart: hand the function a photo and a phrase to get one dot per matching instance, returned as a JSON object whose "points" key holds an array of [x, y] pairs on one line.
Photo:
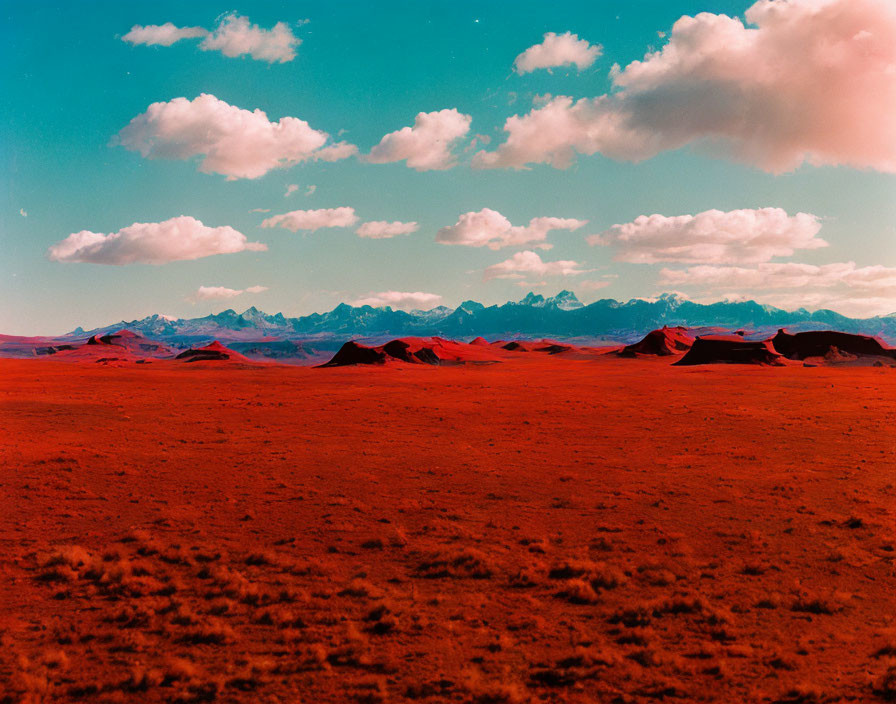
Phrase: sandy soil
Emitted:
{"points": [[540, 530]]}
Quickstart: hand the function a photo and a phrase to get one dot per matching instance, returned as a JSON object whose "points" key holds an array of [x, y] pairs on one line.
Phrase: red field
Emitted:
{"points": [[607, 530]]}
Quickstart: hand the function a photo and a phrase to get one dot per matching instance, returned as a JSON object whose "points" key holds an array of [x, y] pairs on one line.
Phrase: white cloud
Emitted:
{"points": [[380, 229], [337, 151], [529, 263], [310, 190], [313, 219], [557, 50], [234, 142], [260, 210], [783, 275], [176, 239], [593, 285], [488, 228], [162, 34], [235, 36], [23, 212], [712, 237], [810, 81], [427, 145], [842, 286], [290, 189], [400, 299], [206, 293]]}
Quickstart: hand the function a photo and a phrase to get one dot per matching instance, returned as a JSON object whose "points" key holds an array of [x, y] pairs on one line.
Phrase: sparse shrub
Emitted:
{"points": [[211, 631], [885, 685], [598, 574], [362, 589], [771, 601], [578, 591], [72, 555], [468, 562], [491, 691], [279, 617], [353, 652], [814, 605], [140, 679], [55, 660], [637, 636], [398, 538], [266, 557], [382, 618], [656, 576], [525, 578], [681, 604], [633, 616]]}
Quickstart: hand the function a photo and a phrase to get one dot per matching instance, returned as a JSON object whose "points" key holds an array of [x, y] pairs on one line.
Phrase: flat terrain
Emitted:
{"points": [[604, 530]]}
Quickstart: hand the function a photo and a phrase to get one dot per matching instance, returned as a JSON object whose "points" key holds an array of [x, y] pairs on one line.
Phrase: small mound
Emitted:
{"points": [[120, 338], [413, 350], [355, 353], [479, 341], [515, 347], [548, 346], [731, 349], [830, 345], [214, 352], [661, 343], [553, 348], [130, 341]]}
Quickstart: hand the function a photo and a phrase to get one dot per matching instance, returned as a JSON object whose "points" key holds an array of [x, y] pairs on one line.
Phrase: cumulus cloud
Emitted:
{"points": [[176, 239], [312, 220], [427, 145], [712, 237], [527, 263], [207, 293], [234, 142], [380, 229], [290, 189], [557, 50], [843, 286], [488, 228], [400, 299], [162, 34], [803, 81], [236, 36]]}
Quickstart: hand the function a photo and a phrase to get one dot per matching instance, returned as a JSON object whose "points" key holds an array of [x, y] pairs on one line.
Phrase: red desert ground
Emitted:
{"points": [[434, 520]]}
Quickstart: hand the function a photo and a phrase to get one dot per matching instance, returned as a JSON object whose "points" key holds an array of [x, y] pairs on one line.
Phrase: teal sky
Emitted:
{"points": [[363, 70]]}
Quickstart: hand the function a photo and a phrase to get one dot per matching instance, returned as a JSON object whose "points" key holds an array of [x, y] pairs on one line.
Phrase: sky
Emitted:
{"points": [[184, 158]]}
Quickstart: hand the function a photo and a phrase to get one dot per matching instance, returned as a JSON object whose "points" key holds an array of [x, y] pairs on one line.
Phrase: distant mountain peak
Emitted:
{"points": [[565, 300], [672, 299], [532, 299], [469, 307]]}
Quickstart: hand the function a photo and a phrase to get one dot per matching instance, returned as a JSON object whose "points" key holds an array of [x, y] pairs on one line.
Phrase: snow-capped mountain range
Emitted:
{"points": [[562, 316]]}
